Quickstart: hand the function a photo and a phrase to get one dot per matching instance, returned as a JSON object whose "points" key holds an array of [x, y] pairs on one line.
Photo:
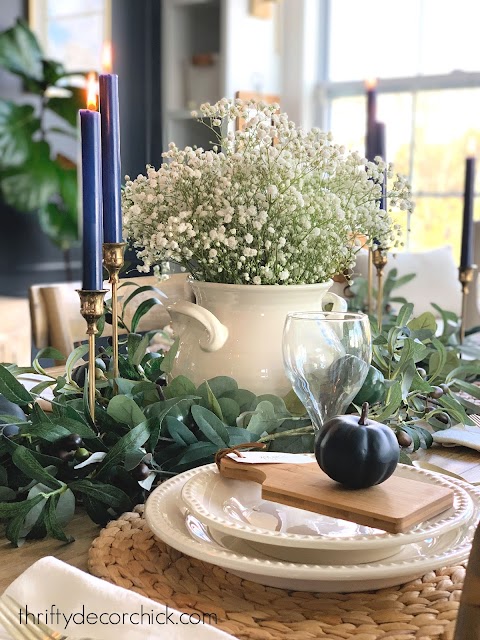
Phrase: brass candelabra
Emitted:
{"points": [[379, 258], [91, 308], [465, 275], [113, 259]]}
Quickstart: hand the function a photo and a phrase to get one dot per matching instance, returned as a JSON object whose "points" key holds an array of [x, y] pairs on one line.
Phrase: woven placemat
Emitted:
{"points": [[127, 553]]}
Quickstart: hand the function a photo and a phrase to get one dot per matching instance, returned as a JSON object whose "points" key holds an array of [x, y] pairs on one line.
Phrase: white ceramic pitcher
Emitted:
{"points": [[236, 330]]}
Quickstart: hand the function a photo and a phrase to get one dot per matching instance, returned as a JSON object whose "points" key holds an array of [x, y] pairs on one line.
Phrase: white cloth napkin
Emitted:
{"points": [[466, 436], [51, 585]]}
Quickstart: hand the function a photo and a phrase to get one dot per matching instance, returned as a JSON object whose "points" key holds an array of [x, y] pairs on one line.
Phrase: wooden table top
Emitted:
{"points": [[459, 460]]}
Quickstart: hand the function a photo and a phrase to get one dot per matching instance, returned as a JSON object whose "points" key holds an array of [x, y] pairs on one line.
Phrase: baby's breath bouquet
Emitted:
{"points": [[270, 204]]}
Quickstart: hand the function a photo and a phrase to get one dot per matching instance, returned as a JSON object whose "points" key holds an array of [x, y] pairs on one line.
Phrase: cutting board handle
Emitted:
{"points": [[243, 471]]}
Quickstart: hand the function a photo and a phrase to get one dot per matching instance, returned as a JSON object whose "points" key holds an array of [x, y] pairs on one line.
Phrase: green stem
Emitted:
{"points": [[291, 432]]}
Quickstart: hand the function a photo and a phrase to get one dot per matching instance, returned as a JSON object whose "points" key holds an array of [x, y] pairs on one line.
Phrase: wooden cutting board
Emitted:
{"points": [[395, 506]]}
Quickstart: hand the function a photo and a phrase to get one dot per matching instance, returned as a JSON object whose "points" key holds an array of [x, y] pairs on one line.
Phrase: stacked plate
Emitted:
{"points": [[227, 523]]}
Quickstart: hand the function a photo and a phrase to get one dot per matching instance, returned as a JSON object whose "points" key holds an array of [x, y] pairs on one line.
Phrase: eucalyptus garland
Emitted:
{"points": [[146, 430]]}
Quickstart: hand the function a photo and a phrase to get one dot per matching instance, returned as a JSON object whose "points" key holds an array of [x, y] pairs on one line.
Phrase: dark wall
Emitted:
{"points": [[136, 45], [136, 28]]}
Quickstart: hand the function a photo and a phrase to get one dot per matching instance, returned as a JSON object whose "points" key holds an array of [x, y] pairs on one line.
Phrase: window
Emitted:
{"points": [[423, 53], [72, 31]]}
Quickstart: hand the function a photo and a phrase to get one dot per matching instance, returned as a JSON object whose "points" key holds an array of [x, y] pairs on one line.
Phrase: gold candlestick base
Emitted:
{"points": [[379, 258], [465, 275], [113, 259], [91, 308]]}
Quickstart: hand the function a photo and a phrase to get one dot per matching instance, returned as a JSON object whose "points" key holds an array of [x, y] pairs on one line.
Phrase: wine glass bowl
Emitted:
{"points": [[326, 357]]}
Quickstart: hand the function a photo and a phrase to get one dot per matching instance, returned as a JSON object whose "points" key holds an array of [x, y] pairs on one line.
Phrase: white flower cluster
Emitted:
{"points": [[271, 204]]}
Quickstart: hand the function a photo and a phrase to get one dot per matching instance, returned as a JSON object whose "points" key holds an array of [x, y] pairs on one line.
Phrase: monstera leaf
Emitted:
{"points": [[18, 124], [31, 185], [20, 54], [59, 218], [67, 108]]}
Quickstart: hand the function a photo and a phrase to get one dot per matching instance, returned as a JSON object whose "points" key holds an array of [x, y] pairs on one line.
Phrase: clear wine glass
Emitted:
{"points": [[326, 357]]}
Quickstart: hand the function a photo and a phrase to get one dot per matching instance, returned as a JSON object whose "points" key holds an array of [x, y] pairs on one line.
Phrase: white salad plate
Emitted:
{"points": [[170, 520], [236, 508]]}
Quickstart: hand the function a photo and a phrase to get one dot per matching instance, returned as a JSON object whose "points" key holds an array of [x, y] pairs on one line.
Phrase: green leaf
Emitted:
{"points": [[424, 321], [179, 386], [140, 350], [220, 386], [437, 360], [20, 52], [195, 452], [11, 388], [404, 314], [212, 403], [15, 526], [126, 369], [67, 107], [18, 124], [245, 399], [138, 291], [105, 493], [210, 425], [179, 432], [471, 389], [31, 185], [406, 359], [49, 353], [7, 494], [293, 404], [455, 409], [46, 431], [26, 462], [67, 425], [142, 309], [264, 418], [230, 410], [134, 439], [393, 401], [169, 359], [125, 410], [73, 358], [58, 513]]}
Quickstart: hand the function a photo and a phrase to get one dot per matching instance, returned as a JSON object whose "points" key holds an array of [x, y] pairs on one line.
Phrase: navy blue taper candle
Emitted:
{"points": [[466, 259], [91, 189], [111, 165], [371, 86], [380, 150]]}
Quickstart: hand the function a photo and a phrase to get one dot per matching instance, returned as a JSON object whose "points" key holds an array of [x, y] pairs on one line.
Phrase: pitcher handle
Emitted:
{"points": [[338, 303], [217, 333]]}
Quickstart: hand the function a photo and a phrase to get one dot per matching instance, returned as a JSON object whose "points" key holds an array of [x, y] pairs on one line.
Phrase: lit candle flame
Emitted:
{"points": [[471, 147], [107, 57], [92, 92], [370, 84]]}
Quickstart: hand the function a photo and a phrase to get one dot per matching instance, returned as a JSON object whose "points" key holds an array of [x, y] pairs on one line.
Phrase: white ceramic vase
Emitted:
{"points": [[236, 330]]}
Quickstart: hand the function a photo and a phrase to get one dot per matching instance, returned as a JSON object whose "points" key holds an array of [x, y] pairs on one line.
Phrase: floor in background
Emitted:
{"points": [[15, 333]]}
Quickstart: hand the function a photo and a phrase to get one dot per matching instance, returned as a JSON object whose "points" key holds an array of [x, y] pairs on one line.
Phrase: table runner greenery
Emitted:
{"points": [[151, 430]]}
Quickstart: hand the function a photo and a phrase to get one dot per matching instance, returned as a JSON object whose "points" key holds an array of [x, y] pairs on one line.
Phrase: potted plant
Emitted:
{"points": [[262, 222], [33, 177]]}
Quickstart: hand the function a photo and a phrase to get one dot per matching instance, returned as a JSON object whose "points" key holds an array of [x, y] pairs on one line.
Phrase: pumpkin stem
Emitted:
{"points": [[364, 414]]}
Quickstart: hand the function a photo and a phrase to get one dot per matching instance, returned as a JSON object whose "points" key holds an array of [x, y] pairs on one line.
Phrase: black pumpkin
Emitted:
{"points": [[355, 451]]}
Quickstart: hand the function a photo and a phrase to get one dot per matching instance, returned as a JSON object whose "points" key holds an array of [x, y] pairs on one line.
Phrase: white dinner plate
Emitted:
{"points": [[236, 508], [167, 516]]}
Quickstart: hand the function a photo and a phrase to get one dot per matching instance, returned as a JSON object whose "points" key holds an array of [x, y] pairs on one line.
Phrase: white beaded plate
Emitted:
{"points": [[167, 516], [236, 508]]}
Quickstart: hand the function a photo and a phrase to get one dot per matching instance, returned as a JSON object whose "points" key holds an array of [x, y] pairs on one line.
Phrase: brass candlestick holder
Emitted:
{"points": [[91, 308], [370, 282], [113, 259], [465, 275], [379, 258]]}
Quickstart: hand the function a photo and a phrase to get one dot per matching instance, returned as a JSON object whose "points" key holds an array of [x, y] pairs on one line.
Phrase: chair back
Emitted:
{"points": [[468, 618], [55, 309]]}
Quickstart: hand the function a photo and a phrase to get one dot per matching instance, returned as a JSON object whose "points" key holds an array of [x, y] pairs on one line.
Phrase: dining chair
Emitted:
{"points": [[55, 309], [468, 617]]}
